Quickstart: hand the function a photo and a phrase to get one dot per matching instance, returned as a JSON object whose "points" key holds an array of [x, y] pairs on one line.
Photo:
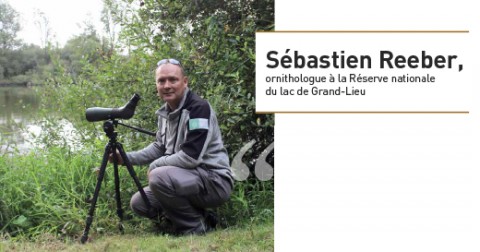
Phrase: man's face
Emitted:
{"points": [[171, 84]]}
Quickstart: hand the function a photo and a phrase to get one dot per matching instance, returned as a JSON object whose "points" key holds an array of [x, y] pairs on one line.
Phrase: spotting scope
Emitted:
{"points": [[96, 114]]}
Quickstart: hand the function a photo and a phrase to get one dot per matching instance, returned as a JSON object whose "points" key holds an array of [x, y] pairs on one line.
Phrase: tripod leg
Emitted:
{"points": [[97, 191], [135, 178], [117, 189]]}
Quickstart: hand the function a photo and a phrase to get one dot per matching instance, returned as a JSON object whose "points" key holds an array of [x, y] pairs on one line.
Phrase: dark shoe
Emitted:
{"points": [[164, 226], [208, 224], [211, 221]]}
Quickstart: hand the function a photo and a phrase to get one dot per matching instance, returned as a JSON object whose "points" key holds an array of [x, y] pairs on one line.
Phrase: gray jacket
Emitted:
{"points": [[188, 137]]}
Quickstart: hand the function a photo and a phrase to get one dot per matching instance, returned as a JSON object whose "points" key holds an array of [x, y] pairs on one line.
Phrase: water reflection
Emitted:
{"points": [[20, 126], [18, 107]]}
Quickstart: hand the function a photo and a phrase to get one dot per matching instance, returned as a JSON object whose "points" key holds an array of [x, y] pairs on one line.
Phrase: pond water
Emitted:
{"points": [[20, 124], [18, 107]]}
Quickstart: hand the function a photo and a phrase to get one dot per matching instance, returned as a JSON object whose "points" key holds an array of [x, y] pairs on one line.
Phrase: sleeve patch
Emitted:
{"points": [[198, 123]]}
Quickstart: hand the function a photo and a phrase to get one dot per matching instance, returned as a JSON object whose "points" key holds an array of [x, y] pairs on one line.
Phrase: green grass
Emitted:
{"points": [[43, 208], [258, 237]]}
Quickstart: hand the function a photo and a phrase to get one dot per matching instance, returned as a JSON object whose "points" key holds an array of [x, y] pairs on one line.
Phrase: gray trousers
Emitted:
{"points": [[182, 196]]}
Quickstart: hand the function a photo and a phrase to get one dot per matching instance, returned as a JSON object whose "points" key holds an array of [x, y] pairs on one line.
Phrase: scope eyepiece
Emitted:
{"points": [[96, 114]]}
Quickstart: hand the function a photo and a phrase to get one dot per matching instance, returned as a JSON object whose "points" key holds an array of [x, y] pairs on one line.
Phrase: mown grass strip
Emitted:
{"points": [[258, 237]]}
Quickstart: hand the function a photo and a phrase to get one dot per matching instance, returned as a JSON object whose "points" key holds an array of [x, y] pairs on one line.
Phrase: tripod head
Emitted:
{"points": [[109, 128]]}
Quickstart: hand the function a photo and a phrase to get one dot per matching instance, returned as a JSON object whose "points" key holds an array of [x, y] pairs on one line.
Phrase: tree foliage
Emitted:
{"points": [[9, 26], [22, 64], [82, 49]]}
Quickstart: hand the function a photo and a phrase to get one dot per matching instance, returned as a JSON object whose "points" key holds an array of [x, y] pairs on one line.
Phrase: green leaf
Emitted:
{"points": [[20, 221]]}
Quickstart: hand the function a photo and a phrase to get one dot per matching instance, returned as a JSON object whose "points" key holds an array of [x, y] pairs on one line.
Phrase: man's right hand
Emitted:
{"points": [[119, 158]]}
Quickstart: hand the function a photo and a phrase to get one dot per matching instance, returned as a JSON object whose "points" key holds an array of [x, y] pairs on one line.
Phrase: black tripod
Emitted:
{"points": [[111, 147]]}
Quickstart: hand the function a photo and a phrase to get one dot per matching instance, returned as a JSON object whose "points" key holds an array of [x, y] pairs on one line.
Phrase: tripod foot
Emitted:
{"points": [[84, 239], [121, 227]]}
